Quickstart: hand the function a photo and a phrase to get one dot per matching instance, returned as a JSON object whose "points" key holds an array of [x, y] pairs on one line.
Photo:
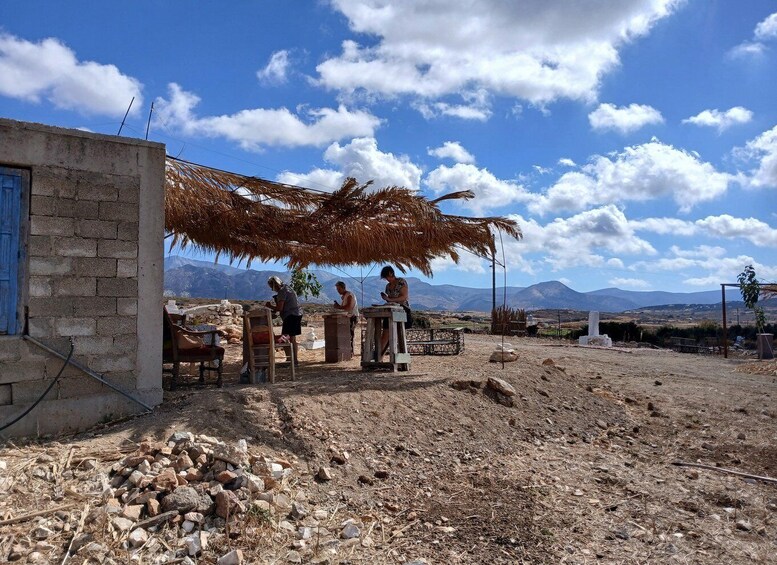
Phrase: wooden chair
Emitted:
{"points": [[260, 346], [175, 333]]}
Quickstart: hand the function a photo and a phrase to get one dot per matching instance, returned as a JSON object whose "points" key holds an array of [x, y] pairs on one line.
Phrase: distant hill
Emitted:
{"points": [[209, 280]]}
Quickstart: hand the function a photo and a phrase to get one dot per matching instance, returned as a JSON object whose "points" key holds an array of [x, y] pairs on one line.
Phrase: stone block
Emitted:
{"points": [[75, 326], [117, 249], [94, 266], [23, 371], [50, 266], [123, 380], [98, 189], [87, 209], [93, 345], [125, 343], [129, 189], [50, 306], [45, 225], [117, 287], [118, 211], [27, 392], [117, 325], [75, 286], [127, 306], [43, 205], [75, 246], [126, 268], [112, 363], [40, 246], [94, 306], [54, 365], [97, 229], [128, 231], [40, 286], [40, 327]]}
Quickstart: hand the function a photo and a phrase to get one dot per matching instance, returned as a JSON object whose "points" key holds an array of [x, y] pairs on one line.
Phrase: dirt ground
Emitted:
{"points": [[579, 470]]}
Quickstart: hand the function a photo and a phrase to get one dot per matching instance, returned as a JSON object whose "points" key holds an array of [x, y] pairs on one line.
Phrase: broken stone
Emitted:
{"points": [[122, 524], [42, 532], [602, 424], [324, 474], [226, 477], [501, 386], [132, 512], [178, 437], [186, 499], [234, 557], [744, 525], [165, 481], [298, 511], [350, 531], [228, 454], [227, 504], [137, 537], [183, 462], [193, 545]]}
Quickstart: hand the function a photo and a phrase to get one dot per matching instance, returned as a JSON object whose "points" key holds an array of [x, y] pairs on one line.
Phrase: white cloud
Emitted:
{"points": [[49, 69], [721, 120], [565, 162], [639, 173], [468, 263], [700, 251], [452, 150], [747, 49], [490, 192], [318, 179], [275, 70], [706, 270], [755, 231], [629, 283], [763, 148], [583, 240], [362, 160], [476, 107], [663, 226], [625, 119], [538, 51], [259, 127], [767, 29]]}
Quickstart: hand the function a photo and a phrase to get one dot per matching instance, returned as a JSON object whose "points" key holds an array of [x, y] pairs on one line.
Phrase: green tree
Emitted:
{"points": [[304, 283], [750, 289]]}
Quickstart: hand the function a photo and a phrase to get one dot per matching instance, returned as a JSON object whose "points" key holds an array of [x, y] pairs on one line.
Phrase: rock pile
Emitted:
{"points": [[227, 317]]}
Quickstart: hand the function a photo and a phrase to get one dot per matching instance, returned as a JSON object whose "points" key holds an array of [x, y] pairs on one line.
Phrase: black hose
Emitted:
{"points": [[42, 396]]}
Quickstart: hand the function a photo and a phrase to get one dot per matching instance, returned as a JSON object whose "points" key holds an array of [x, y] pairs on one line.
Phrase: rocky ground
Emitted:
{"points": [[431, 466]]}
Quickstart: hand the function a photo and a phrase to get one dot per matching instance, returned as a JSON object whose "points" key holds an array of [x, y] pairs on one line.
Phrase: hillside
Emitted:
{"points": [[208, 280]]}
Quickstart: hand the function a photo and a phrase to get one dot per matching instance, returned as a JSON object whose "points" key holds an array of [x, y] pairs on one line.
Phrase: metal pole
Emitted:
{"points": [[86, 370], [725, 330], [493, 282]]}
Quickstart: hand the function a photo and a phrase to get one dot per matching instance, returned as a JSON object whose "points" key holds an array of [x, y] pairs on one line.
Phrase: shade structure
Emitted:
{"points": [[250, 218]]}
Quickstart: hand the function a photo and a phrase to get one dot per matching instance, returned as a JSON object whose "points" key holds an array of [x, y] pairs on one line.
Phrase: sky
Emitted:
{"points": [[634, 142]]}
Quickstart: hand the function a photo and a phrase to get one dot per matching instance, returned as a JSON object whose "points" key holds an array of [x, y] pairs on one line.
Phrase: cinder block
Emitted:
{"points": [[117, 287], [125, 343], [118, 211], [97, 229], [50, 266], [10, 350], [40, 286], [94, 267], [110, 363], [87, 209], [127, 306], [27, 392], [126, 268], [93, 345], [75, 247], [78, 386], [117, 325], [124, 380], [6, 398], [75, 326], [45, 225], [39, 246], [54, 365], [94, 306], [75, 286], [43, 206], [128, 231], [50, 306], [117, 249], [97, 189], [40, 327], [131, 192], [23, 371]]}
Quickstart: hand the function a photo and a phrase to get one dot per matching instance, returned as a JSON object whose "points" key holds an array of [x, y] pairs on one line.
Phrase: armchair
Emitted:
{"points": [[184, 345]]}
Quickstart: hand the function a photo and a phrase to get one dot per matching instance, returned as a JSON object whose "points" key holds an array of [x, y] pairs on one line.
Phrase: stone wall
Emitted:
{"points": [[92, 267]]}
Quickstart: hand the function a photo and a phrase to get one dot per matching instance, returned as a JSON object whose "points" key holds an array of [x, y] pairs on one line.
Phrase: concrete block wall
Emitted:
{"points": [[93, 272]]}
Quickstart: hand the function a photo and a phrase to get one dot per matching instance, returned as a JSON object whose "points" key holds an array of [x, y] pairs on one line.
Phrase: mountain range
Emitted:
{"points": [[204, 279]]}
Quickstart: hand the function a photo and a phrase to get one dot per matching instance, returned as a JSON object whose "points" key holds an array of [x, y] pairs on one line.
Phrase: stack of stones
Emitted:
{"points": [[193, 490], [227, 317]]}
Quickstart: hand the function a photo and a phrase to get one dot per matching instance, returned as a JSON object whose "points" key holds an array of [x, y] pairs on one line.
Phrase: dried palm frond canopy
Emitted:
{"points": [[251, 218]]}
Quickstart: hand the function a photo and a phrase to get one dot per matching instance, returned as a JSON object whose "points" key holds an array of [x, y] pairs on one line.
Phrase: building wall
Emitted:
{"points": [[92, 268]]}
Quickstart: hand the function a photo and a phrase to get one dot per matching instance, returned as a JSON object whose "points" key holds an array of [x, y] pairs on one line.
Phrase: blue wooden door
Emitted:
{"points": [[10, 210]]}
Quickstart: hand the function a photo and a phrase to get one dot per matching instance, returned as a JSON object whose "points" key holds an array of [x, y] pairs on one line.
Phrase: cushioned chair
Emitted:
{"points": [[184, 345]]}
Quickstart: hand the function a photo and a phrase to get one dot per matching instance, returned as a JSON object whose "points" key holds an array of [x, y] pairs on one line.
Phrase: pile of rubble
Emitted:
{"points": [[191, 498], [227, 317]]}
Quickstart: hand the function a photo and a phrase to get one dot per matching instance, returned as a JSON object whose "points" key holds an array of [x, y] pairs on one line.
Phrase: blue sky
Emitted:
{"points": [[635, 142]]}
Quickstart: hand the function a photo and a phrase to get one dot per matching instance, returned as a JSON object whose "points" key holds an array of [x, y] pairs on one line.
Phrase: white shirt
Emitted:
{"points": [[354, 310]]}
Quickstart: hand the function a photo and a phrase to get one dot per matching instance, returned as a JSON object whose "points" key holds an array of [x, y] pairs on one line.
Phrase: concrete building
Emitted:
{"points": [[81, 257]]}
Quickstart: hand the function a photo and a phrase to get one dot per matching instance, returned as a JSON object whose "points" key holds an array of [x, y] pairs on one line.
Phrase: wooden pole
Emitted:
{"points": [[725, 329]]}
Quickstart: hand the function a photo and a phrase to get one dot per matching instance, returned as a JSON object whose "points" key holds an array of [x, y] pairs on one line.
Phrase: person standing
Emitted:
{"points": [[287, 304], [397, 292], [349, 305]]}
